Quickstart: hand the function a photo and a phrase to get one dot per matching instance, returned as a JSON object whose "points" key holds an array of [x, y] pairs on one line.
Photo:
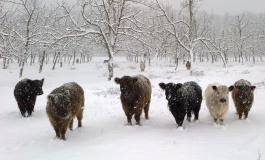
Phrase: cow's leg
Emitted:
{"points": [[71, 123], [63, 131], [146, 110], [240, 112], [215, 120], [29, 109], [80, 117], [32, 102], [221, 121], [63, 128], [189, 115], [129, 118], [179, 119], [22, 108], [137, 118], [57, 131], [196, 112], [246, 114]]}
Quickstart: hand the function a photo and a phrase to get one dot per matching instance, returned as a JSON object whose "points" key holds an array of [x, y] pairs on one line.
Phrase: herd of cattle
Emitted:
{"points": [[67, 101]]}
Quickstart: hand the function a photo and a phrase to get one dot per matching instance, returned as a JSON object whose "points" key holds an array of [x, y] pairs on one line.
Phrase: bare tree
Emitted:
{"points": [[4, 33], [107, 21], [184, 30], [25, 29], [217, 46], [240, 36]]}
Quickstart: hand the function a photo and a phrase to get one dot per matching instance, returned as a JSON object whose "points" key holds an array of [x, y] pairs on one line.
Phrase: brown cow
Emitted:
{"points": [[188, 65], [243, 97], [135, 96], [64, 104]]}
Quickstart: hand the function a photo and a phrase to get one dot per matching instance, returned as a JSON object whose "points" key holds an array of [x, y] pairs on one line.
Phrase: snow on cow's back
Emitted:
{"points": [[22, 83], [142, 78], [24, 80], [144, 81], [194, 89], [222, 90], [70, 85]]}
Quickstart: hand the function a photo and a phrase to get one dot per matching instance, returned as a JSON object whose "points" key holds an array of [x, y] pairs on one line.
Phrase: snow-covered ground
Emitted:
{"points": [[104, 135]]}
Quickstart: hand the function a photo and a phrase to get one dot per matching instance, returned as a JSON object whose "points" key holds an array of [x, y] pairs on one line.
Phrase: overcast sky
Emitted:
{"points": [[222, 7]]}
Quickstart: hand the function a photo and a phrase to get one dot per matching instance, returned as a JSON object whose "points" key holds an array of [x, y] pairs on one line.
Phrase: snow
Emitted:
{"points": [[104, 134]]}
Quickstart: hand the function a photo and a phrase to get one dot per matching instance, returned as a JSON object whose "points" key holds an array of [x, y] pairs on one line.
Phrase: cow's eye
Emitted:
{"points": [[123, 88]]}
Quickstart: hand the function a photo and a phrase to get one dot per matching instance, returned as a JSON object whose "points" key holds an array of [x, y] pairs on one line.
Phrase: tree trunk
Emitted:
{"points": [[253, 56], [74, 59], [42, 61], [55, 60], [54, 56], [149, 60], [192, 57], [4, 63], [69, 60], [224, 59], [46, 58], [22, 68], [23, 63], [31, 59], [176, 62], [110, 68]]}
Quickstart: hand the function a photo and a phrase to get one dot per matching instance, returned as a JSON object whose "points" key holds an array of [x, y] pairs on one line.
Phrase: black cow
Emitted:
{"points": [[182, 99], [26, 92]]}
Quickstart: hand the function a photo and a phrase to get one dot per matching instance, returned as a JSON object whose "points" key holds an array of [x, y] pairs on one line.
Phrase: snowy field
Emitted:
{"points": [[104, 135]]}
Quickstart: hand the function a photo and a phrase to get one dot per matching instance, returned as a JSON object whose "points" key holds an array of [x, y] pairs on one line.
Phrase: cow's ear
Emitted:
{"points": [[135, 79], [162, 85], [214, 88], [179, 85], [117, 80], [50, 97], [42, 80], [231, 88], [253, 88]]}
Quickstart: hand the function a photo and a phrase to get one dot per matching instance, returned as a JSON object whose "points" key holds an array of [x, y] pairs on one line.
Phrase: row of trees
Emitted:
{"points": [[31, 30]]}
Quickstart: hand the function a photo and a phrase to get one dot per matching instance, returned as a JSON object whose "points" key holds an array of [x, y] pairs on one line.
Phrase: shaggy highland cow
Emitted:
{"points": [[26, 92], [243, 97], [64, 104], [183, 99], [135, 96], [217, 101]]}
